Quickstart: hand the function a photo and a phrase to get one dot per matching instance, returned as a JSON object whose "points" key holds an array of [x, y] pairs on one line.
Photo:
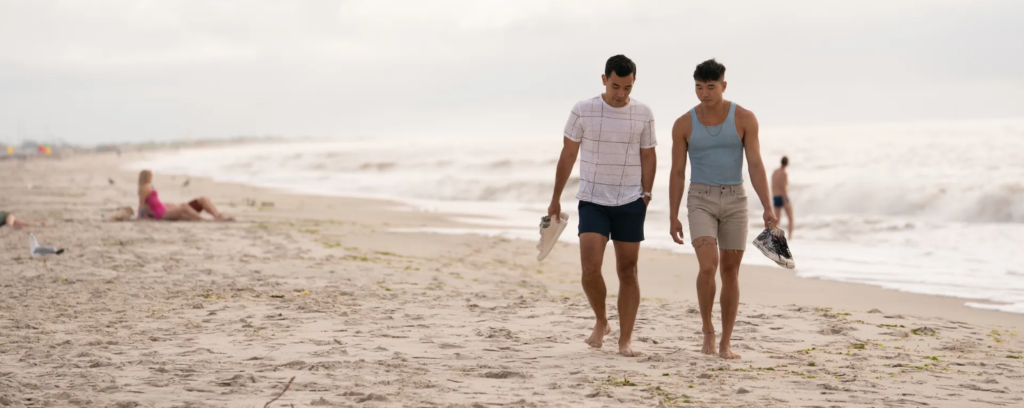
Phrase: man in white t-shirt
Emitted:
{"points": [[616, 134]]}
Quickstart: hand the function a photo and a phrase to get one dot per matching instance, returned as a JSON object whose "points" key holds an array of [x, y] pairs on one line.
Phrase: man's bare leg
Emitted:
{"points": [[592, 256], [730, 299], [626, 255], [707, 258], [789, 217]]}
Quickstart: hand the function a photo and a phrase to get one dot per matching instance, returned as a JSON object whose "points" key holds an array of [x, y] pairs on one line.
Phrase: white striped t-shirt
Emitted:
{"points": [[610, 142]]}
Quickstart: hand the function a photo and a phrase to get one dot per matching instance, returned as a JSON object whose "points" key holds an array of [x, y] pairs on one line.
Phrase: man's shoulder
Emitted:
{"points": [[744, 113], [745, 118], [685, 120], [588, 105], [640, 107]]}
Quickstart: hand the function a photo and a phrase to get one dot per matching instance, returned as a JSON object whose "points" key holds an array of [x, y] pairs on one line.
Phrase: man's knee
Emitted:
{"points": [[625, 265], [591, 270], [627, 273], [730, 274]]}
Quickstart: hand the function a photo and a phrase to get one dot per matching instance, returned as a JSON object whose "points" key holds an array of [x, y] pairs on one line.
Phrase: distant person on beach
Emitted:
{"points": [[8, 219], [150, 206], [716, 134], [780, 195], [617, 167]]}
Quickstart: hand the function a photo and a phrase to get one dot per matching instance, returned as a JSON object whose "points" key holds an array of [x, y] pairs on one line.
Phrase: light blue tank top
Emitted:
{"points": [[716, 152]]}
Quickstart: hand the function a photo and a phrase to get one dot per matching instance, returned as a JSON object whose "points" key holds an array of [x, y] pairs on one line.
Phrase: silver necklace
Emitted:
{"points": [[720, 127]]}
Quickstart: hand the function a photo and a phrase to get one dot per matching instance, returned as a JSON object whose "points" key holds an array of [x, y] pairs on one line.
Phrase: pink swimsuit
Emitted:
{"points": [[156, 208]]}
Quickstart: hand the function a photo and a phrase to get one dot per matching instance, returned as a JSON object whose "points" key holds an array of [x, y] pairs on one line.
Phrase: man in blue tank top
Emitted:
{"points": [[716, 134]]}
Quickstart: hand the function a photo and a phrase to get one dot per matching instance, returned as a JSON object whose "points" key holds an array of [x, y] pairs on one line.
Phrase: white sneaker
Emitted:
{"points": [[550, 230]]}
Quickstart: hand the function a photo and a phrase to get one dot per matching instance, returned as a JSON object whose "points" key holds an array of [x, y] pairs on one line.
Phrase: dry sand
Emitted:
{"points": [[318, 288]]}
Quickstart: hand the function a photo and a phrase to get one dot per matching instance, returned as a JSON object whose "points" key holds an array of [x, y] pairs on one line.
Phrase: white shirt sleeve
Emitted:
{"points": [[647, 138], [574, 126]]}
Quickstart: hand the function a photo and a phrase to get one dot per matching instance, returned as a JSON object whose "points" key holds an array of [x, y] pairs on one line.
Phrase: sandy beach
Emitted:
{"points": [[323, 290]]}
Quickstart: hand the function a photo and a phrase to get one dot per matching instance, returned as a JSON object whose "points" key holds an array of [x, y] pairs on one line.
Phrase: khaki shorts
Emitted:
{"points": [[719, 212]]}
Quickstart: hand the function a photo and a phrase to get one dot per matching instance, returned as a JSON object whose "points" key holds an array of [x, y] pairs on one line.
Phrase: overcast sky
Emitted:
{"points": [[134, 70]]}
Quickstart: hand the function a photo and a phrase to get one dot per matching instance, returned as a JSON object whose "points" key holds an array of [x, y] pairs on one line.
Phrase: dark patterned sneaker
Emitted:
{"points": [[772, 243]]}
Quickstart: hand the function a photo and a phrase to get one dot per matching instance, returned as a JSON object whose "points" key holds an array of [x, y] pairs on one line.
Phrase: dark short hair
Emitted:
{"points": [[785, 161], [621, 65], [708, 71]]}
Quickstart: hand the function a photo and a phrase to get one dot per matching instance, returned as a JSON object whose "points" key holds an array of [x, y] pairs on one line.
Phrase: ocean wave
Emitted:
{"points": [[850, 195], [1006, 307], [996, 203]]}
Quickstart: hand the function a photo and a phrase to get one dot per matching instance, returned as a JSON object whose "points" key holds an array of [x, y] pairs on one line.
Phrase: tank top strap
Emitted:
{"points": [[731, 118], [693, 115]]}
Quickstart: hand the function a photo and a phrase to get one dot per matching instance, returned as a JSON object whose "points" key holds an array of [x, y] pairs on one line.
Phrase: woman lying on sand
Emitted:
{"points": [[151, 207], [7, 219]]}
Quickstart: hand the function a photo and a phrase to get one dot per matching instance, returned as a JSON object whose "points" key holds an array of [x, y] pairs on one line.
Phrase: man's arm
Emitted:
{"points": [[572, 136], [755, 166], [648, 166], [566, 161], [142, 200], [677, 177], [785, 186], [648, 158]]}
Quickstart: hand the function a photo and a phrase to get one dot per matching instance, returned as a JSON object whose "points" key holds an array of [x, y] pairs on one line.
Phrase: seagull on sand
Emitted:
{"points": [[38, 250], [43, 251]]}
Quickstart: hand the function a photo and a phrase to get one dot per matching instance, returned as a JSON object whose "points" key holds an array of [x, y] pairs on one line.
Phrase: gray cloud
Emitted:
{"points": [[141, 70]]}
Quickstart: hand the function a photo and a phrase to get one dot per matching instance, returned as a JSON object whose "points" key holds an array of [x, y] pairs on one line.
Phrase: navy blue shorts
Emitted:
{"points": [[778, 201], [624, 223]]}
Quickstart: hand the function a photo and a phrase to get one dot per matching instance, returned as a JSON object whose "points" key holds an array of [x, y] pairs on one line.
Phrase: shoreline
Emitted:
{"points": [[778, 284], [902, 253]]}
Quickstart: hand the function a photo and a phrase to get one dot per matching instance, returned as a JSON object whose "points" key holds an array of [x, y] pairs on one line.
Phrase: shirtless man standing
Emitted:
{"points": [[780, 195]]}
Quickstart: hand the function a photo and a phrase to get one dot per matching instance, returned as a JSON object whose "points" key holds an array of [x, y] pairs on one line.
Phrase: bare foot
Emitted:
{"points": [[709, 343], [596, 339], [627, 350], [727, 353], [224, 219]]}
